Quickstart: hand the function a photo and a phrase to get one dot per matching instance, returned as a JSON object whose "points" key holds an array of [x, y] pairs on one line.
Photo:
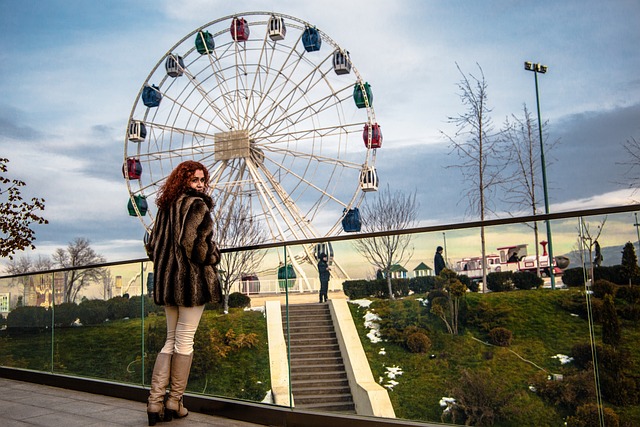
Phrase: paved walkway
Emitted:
{"points": [[27, 404]]}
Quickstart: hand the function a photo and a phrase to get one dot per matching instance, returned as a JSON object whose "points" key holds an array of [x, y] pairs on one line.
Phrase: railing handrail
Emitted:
{"points": [[354, 236]]}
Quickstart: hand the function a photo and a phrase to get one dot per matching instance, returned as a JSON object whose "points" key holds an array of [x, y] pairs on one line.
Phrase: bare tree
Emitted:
{"points": [[16, 215], [479, 149], [632, 162], [79, 253], [236, 228], [589, 240], [522, 152], [389, 212]]}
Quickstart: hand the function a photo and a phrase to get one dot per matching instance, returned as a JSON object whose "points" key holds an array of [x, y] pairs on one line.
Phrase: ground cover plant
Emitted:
{"points": [[230, 359], [504, 383]]}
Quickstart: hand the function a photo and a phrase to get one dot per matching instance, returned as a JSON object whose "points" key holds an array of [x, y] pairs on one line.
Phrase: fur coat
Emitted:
{"points": [[184, 253]]}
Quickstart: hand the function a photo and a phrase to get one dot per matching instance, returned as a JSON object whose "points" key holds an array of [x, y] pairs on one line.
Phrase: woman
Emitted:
{"points": [[184, 257]]}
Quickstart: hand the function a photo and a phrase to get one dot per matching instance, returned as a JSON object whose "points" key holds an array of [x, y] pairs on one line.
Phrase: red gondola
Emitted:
{"points": [[376, 136], [239, 29], [132, 168]]}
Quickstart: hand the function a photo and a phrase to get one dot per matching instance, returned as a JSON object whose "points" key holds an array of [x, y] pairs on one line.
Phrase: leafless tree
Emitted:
{"points": [[236, 228], [479, 148], [632, 150], [25, 265], [522, 152], [388, 212], [79, 253], [16, 215], [588, 240]]}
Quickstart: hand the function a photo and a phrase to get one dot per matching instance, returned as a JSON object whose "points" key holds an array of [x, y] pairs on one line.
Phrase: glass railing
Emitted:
{"points": [[518, 350]]}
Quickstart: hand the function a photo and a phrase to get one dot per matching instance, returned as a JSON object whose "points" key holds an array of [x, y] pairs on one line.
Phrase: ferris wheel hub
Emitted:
{"points": [[231, 145]]}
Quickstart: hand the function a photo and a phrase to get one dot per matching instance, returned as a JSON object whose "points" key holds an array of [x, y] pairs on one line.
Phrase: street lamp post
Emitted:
{"points": [[538, 68]]}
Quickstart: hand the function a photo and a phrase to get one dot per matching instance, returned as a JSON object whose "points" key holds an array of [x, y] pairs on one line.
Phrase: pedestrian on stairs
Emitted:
{"points": [[184, 257], [325, 274]]}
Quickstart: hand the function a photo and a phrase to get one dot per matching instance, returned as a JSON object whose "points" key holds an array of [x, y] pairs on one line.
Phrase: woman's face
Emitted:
{"points": [[197, 181]]}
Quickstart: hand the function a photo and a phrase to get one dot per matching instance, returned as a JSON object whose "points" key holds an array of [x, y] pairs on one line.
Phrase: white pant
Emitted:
{"points": [[182, 323]]}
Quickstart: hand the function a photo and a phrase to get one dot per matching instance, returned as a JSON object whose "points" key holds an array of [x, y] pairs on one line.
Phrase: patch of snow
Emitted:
{"points": [[394, 371], [447, 403], [575, 315], [391, 384], [268, 398], [259, 308], [365, 303], [564, 359], [370, 320], [382, 351], [374, 336], [423, 301], [532, 388]]}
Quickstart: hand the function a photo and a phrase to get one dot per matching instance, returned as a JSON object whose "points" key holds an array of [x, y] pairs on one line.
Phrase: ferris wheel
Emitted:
{"points": [[275, 110]]}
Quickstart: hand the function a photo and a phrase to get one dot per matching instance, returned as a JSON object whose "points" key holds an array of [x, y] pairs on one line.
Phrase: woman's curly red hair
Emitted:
{"points": [[178, 182]]}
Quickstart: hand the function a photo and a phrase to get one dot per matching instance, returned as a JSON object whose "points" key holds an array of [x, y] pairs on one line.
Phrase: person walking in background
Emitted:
{"points": [[325, 273], [184, 257], [438, 261]]}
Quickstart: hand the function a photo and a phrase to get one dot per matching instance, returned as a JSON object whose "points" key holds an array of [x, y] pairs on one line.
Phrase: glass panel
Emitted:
{"points": [[25, 335], [524, 344]]}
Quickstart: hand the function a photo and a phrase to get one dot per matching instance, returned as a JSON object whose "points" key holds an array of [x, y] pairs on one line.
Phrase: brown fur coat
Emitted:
{"points": [[184, 253]]}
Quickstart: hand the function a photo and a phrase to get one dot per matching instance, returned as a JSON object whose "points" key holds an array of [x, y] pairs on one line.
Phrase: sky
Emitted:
{"points": [[71, 72]]}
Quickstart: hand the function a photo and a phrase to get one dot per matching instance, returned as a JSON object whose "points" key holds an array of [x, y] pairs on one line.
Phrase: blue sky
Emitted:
{"points": [[71, 71]]}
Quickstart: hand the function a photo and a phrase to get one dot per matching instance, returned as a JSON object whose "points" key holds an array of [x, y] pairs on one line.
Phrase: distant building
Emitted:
{"points": [[5, 299], [422, 270], [398, 272]]}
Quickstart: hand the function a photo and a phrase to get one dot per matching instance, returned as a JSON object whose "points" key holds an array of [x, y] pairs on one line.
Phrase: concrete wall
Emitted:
{"points": [[278, 362], [370, 398]]}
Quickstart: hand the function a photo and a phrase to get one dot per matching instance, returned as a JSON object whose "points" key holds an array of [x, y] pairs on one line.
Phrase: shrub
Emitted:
{"points": [[92, 312], [422, 284], [603, 287], [588, 416], [481, 397], [573, 277], [29, 317], [65, 314], [574, 390], [630, 294], [500, 281], [500, 337], [237, 299], [612, 273], [117, 308], [418, 342], [356, 289], [487, 317], [525, 280]]}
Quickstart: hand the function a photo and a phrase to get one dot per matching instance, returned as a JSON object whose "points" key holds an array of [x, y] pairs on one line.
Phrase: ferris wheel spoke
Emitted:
{"points": [[316, 157], [305, 181], [308, 111], [299, 226]]}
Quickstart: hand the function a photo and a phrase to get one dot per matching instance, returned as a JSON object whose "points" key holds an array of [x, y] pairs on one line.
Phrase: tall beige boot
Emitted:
{"points": [[159, 383], [180, 368]]}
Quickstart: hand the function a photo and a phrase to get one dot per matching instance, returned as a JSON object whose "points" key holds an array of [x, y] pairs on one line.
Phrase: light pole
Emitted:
{"points": [[637, 231], [538, 68]]}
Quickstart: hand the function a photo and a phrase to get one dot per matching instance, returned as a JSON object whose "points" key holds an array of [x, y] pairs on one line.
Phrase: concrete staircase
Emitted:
{"points": [[318, 377]]}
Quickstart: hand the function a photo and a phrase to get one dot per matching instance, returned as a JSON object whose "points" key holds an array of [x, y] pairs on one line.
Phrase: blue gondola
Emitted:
{"points": [[351, 222], [311, 39], [151, 96], [174, 65], [141, 204], [277, 29], [341, 62], [204, 42], [137, 131], [362, 95]]}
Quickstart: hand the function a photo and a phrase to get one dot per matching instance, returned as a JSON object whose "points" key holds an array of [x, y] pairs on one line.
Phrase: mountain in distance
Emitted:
{"points": [[612, 255]]}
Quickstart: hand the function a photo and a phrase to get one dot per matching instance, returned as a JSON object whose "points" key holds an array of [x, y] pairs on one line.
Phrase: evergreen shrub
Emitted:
{"points": [[239, 300], [500, 281], [500, 336], [587, 415], [603, 287], [422, 284], [93, 312], [29, 317], [356, 289], [65, 314], [525, 280], [418, 342], [573, 277]]}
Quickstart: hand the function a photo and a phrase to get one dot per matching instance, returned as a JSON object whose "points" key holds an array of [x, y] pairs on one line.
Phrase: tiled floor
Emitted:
{"points": [[28, 404]]}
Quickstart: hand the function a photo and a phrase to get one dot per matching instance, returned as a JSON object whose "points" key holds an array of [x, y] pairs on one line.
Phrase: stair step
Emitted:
{"points": [[348, 408], [324, 398], [301, 392], [326, 382], [337, 367]]}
